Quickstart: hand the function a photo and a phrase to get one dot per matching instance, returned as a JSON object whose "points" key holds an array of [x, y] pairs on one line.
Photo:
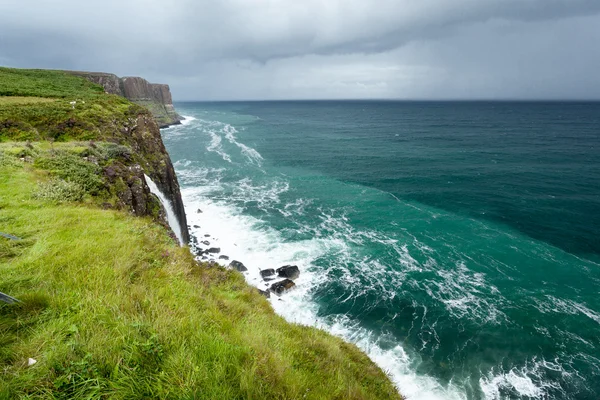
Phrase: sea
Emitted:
{"points": [[456, 243]]}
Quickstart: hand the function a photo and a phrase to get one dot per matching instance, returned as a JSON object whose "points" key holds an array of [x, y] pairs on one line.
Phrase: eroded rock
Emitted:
{"points": [[288, 271], [238, 266], [267, 274], [281, 287]]}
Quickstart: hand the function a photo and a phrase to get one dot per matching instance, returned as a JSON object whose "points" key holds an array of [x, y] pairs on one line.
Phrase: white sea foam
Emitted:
{"points": [[187, 119], [216, 147], [521, 380], [251, 154]]}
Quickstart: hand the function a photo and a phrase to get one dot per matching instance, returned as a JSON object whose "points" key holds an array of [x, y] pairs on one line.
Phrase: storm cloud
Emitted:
{"points": [[287, 49]]}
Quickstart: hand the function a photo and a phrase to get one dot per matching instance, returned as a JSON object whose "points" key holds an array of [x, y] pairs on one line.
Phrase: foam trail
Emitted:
{"points": [[171, 217]]}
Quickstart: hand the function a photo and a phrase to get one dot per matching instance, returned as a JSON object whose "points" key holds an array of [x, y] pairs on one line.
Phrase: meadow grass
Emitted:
{"points": [[113, 308]]}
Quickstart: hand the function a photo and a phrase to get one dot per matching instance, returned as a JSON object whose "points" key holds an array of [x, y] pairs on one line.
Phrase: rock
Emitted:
{"points": [[265, 293], [223, 258], [205, 242], [214, 250], [207, 235], [267, 274], [288, 271], [196, 226], [31, 362], [281, 287], [238, 266], [199, 211]]}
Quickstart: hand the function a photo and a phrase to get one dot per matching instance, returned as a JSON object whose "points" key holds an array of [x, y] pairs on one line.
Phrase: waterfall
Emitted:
{"points": [[171, 216]]}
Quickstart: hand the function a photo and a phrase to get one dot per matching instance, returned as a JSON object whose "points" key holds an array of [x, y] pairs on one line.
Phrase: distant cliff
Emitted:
{"points": [[154, 96]]}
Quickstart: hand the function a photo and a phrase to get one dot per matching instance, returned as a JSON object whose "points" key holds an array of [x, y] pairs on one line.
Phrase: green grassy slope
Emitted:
{"points": [[113, 308], [37, 105]]}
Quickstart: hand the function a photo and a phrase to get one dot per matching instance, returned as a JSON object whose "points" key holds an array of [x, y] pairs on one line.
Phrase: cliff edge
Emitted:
{"points": [[154, 96]]}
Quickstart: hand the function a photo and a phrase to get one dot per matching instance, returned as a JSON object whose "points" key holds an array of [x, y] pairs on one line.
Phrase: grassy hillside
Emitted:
{"points": [[53, 105], [112, 307]]}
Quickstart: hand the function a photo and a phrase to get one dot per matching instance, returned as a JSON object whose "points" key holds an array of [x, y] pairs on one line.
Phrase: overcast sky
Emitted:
{"points": [[298, 49]]}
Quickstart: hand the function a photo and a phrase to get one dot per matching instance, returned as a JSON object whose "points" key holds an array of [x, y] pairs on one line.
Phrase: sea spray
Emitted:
{"points": [[171, 216]]}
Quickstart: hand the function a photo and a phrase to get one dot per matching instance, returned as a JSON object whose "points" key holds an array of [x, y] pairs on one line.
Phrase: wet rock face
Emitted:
{"points": [[282, 287], [238, 266], [288, 271], [267, 274]]}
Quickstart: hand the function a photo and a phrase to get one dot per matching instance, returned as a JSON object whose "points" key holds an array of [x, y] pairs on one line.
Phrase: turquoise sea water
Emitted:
{"points": [[458, 244]]}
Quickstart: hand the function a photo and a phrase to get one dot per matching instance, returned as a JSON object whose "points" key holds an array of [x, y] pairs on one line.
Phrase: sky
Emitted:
{"points": [[318, 49]]}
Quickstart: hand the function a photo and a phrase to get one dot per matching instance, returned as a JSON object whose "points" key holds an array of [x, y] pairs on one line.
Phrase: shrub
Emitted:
{"points": [[59, 190], [73, 169]]}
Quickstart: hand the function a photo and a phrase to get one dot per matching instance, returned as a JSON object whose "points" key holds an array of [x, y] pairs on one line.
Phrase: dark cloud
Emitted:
{"points": [[316, 49]]}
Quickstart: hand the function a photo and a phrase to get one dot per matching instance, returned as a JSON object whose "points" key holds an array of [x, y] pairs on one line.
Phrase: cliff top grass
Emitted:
{"points": [[54, 105], [112, 307]]}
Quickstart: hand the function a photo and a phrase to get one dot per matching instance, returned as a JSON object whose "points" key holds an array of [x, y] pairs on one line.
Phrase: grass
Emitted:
{"points": [[111, 307]]}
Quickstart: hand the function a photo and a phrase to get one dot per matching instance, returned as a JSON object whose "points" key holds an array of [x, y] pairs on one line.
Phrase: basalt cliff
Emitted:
{"points": [[154, 96]]}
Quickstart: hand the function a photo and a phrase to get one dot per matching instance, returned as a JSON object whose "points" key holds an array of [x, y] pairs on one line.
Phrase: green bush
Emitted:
{"points": [[73, 169], [59, 190]]}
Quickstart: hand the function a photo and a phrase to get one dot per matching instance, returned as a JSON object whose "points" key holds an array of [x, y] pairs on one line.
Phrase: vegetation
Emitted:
{"points": [[58, 106], [110, 306]]}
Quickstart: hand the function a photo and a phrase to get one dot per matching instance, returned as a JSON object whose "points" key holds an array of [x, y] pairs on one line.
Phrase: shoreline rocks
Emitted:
{"points": [[238, 266], [288, 271], [282, 287]]}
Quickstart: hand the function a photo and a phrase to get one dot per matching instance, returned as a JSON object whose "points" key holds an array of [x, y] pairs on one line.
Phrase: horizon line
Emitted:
{"points": [[475, 100]]}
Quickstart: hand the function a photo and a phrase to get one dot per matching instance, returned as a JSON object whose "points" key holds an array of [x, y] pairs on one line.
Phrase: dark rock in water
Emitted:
{"points": [[281, 287], [196, 226], [238, 266], [265, 293], [223, 258], [199, 211], [214, 250], [205, 242], [207, 235], [288, 271], [204, 258], [267, 274]]}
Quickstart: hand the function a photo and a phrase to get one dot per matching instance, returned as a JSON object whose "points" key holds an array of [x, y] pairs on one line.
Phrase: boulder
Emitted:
{"points": [[265, 293], [199, 211], [238, 266], [281, 287], [205, 242], [196, 226], [214, 250], [288, 271], [207, 235], [223, 258], [267, 274]]}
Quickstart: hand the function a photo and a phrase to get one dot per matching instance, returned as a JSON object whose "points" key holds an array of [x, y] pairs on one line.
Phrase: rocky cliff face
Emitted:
{"points": [[142, 133], [156, 97]]}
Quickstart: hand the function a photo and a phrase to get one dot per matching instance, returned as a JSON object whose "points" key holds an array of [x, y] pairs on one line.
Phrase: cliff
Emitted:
{"points": [[154, 96], [110, 306], [52, 105]]}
